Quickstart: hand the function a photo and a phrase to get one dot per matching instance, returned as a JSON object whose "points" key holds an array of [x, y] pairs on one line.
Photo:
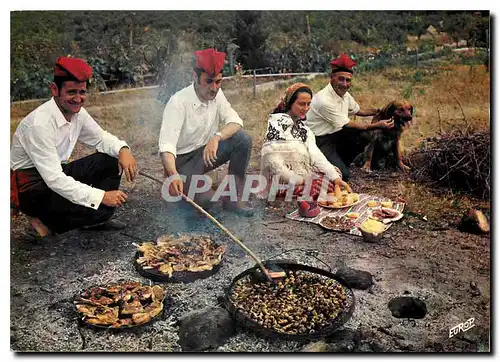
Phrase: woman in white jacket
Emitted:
{"points": [[290, 152]]}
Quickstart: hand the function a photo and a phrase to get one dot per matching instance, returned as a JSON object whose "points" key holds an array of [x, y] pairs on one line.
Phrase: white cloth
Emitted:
{"points": [[45, 140], [330, 112], [188, 123], [290, 151]]}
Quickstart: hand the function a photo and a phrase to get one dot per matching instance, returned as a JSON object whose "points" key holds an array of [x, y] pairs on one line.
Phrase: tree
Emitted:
{"points": [[250, 37]]}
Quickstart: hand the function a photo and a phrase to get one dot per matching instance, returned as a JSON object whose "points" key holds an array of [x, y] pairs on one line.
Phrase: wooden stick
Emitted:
{"points": [[220, 226]]}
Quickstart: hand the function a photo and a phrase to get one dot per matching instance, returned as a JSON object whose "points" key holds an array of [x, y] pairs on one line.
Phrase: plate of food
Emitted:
{"points": [[337, 223], [336, 201], [386, 215], [123, 305], [182, 258]]}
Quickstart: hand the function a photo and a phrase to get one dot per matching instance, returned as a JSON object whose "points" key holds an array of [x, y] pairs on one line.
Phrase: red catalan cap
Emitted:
{"points": [[342, 64], [75, 67], [210, 60]]}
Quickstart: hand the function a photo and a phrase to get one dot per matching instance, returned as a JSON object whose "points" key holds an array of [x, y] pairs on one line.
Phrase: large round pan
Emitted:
{"points": [[177, 276], [167, 303], [344, 315]]}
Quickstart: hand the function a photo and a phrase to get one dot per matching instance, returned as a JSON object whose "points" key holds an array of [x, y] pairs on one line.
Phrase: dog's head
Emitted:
{"points": [[402, 111]]}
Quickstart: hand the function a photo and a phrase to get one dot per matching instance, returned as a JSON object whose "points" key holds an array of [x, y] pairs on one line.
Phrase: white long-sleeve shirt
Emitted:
{"points": [[189, 123], [330, 112], [45, 140]]}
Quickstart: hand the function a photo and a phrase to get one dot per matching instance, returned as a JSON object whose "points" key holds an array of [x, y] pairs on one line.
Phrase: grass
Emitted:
{"points": [[445, 97]]}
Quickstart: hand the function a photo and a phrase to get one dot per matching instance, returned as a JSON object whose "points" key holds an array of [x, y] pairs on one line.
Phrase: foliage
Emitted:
{"points": [[129, 48]]}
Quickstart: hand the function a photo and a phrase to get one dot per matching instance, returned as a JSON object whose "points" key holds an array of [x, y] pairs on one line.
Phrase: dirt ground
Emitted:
{"points": [[430, 260]]}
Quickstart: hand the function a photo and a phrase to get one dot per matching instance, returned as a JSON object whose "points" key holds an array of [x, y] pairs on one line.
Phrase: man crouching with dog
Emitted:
{"points": [[336, 135]]}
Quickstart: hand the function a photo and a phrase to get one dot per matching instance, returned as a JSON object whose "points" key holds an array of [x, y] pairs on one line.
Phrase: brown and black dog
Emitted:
{"points": [[384, 147]]}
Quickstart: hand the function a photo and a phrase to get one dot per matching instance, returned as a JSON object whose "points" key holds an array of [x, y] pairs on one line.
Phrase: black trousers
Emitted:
{"points": [[59, 214], [342, 147], [236, 150]]}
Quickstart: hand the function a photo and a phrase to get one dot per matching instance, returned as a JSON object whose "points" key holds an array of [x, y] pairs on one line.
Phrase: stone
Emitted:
{"points": [[404, 345], [357, 279], [343, 340], [474, 221], [319, 346], [205, 328], [365, 347]]}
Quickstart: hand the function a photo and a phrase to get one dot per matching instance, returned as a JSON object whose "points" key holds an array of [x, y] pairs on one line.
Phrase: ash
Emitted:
{"points": [[45, 277]]}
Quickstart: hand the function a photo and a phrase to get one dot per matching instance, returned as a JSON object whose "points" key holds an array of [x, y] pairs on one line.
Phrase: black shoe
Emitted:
{"points": [[111, 224]]}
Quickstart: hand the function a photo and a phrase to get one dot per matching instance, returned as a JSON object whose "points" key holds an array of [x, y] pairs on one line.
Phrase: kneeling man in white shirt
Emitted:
{"points": [[55, 194], [190, 141]]}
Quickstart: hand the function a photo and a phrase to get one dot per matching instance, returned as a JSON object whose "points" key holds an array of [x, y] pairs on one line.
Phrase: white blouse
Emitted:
{"points": [[290, 151]]}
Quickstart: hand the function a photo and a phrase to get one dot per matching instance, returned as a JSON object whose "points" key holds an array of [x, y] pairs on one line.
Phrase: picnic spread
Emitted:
{"points": [[348, 219]]}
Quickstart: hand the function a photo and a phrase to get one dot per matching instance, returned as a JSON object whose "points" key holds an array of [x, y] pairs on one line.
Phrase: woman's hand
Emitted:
{"points": [[342, 184]]}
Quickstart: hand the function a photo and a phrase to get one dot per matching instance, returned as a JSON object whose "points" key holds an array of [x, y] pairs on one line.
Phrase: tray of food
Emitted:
{"points": [[182, 258], [386, 215], [118, 306], [339, 201], [338, 223]]}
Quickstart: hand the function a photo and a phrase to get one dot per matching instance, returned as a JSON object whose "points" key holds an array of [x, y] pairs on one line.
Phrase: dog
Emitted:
{"points": [[384, 145]]}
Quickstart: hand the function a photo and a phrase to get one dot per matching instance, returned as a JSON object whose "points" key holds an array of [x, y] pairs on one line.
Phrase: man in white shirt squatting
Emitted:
{"points": [[191, 143], [336, 135], [55, 194]]}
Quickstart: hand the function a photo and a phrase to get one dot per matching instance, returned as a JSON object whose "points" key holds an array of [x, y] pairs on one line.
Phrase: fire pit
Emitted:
{"points": [[308, 304]]}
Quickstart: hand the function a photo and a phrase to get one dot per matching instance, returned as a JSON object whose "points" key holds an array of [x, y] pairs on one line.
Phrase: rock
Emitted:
{"points": [[319, 346], [344, 340], [475, 222], [404, 345], [206, 328], [379, 346], [474, 290], [365, 347], [357, 279]]}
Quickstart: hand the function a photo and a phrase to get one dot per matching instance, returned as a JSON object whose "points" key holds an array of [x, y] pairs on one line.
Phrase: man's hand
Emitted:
{"points": [[342, 184], [114, 198], [385, 124], [176, 187], [210, 151], [126, 162]]}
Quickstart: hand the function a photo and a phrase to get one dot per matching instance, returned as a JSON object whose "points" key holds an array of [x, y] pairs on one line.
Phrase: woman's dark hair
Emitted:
{"points": [[283, 108]]}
